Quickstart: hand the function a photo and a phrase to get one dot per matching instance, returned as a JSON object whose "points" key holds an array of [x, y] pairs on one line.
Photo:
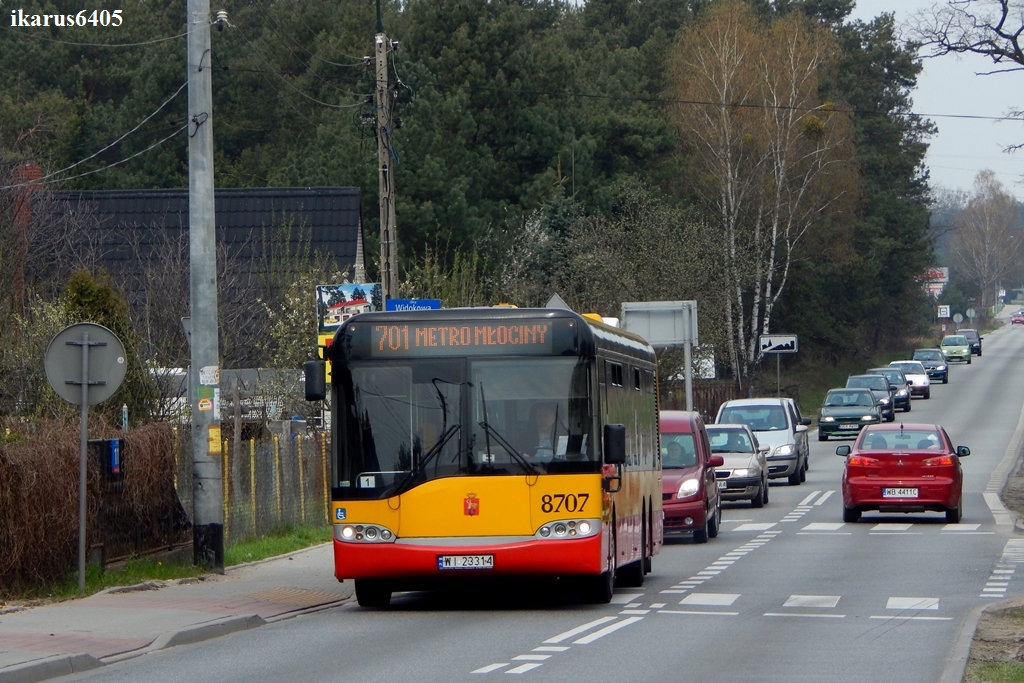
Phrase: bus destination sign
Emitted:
{"points": [[457, 339]]}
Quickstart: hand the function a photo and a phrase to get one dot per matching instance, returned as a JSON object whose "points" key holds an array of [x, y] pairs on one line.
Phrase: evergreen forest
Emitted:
{"points": [[760, 157]]}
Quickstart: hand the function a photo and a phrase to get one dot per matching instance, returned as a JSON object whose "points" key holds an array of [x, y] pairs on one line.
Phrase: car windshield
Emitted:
{"points": [[835, 399], [956, 340], [678, 451], [877, 382], [893, 376], [759, 418], [928, 354], [729, 441], [910, 367], [970, 334], [902, 440]]}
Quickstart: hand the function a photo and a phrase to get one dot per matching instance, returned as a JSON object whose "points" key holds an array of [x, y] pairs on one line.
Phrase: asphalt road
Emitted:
{"points": [[786, 593]]}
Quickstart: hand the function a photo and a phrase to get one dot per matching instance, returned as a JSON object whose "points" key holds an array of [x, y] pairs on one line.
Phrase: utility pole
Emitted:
{"points": [[204, 374], [382, 100]]}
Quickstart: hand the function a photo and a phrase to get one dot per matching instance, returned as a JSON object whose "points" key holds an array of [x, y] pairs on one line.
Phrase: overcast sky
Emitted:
{"points": [[950, 86]]}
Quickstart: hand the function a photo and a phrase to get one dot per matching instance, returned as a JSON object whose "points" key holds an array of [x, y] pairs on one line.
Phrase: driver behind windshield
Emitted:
{"points": [[542, 434]]}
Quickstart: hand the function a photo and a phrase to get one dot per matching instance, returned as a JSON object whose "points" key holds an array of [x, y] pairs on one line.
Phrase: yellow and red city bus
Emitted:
{"points": [[436, 470]]}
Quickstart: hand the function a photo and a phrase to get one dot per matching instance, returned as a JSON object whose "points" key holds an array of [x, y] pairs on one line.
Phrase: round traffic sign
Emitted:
{"points": [[970, 312], [957, 318], [104, 363]]}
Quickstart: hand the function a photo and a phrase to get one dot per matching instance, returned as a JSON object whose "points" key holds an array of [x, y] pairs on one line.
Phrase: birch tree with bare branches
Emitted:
{"points": [[770, 157], [990, 28], [987, 240]]}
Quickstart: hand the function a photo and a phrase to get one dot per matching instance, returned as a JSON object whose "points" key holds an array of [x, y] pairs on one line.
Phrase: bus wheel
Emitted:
{"points": [[598, 590], [370, 593]]}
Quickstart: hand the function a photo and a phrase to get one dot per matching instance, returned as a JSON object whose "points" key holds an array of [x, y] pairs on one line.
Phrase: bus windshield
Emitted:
{"points": [[414, 420]]}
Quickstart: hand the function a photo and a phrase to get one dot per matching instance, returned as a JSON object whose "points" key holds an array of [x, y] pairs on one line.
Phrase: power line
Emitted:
{"points": [[46, 179], [48, 39], [106, 147], [290, 85], [308, 69], [737, 105]]}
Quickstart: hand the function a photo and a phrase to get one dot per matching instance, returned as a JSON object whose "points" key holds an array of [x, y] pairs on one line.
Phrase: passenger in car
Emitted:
{"points": [[876, 443]]}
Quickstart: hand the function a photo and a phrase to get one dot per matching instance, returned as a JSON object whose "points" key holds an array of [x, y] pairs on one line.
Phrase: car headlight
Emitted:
{"points": [[884, 401], [940, 367], [827, 418], [688, 488], [785, 449], [740, 472], [901, 393], [868, 418]]}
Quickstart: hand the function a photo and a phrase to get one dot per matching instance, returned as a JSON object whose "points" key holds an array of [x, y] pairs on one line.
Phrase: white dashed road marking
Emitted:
{"points": [[717, 599], [912, 603], [522, 669], [490, 667], [578, 630], [829, 601], [586, 640]]}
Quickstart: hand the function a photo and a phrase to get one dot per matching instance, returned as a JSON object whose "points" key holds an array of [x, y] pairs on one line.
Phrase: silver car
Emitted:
{"points": [[917, 375], [776, 424], [744, 475]]}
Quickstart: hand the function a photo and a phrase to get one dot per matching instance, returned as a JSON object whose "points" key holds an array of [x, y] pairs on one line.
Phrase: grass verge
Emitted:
{"points": [[993, 672], [140, 570]]}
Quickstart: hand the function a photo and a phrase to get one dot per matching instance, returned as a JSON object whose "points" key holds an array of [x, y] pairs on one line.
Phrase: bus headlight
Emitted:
{"points": [[569, 528], [363, 533]]}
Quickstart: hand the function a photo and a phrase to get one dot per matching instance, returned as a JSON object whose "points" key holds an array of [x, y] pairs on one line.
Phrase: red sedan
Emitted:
{"points": [[903, 468], [1017, 319]]}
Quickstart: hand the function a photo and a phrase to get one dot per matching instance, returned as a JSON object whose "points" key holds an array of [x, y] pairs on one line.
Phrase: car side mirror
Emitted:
{"points": [[764, 449], [805, 421], [716, 461], [800, 428], [910, 382], [843, 451], [962, 451]]}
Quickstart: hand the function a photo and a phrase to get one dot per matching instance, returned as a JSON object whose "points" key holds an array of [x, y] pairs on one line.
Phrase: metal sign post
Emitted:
{"points": [[85, 379], [777, 344]]}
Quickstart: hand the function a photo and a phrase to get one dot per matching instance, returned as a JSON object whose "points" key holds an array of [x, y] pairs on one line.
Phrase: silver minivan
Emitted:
{"points": [[777, 423]]}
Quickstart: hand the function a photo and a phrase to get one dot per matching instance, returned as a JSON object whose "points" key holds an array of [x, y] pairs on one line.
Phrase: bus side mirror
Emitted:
{"points": [[316, 380], [615, 444]]}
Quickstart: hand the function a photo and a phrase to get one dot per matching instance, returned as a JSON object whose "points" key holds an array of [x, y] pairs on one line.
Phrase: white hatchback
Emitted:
{"points": [[915, 373]]}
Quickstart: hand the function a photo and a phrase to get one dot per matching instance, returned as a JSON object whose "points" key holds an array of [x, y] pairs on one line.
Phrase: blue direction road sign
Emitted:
{"points": [[412, 304]]}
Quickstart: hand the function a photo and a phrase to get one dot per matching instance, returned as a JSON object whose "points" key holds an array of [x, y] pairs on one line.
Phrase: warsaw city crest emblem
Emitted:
{"points": [[471, 505]]}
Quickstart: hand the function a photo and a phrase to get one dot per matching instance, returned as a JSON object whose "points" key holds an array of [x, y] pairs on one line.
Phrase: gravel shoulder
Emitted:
{"points": [[999, 637]]}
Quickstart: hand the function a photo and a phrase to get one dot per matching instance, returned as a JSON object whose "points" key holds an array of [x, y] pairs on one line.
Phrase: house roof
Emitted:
{"points": [[131, 223]]}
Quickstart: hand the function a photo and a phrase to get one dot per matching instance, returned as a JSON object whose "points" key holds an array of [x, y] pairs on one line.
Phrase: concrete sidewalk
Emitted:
{"points": [[43, 642]]}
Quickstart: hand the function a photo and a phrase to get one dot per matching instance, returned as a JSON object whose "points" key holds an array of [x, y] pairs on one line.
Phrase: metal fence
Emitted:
{"points": [[271, 481]]}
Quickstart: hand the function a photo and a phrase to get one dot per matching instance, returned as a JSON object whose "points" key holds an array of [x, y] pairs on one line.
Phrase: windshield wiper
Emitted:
{"points": [[491, 431], [421, 466]]}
